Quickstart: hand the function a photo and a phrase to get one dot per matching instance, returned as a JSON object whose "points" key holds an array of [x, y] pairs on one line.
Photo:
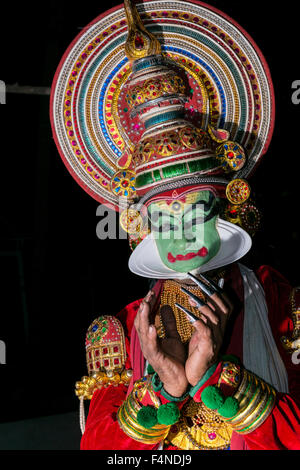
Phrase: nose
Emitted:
{"points": [[188, 235], [187, 238]]}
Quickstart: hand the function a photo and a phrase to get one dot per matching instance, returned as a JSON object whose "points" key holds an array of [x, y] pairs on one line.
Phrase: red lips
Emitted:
{"points": [[202, 253]]}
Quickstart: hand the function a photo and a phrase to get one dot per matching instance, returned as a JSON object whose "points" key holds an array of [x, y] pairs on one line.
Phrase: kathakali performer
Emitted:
{"points": [[163, 111]]}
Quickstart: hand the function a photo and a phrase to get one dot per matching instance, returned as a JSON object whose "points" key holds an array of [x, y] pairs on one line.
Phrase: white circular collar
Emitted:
{"points": [[146, 262]]}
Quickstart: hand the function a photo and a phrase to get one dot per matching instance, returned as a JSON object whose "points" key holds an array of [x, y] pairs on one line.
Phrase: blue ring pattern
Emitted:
{"points": [[111, 47], [164, 48]]}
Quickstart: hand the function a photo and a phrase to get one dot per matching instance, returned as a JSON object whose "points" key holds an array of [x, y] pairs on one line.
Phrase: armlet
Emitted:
{"points": [[292, 343], [148, 430], [240, 398], [105, 357]]}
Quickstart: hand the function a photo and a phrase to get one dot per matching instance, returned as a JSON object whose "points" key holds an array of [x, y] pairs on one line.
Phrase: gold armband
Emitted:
{"points": [[127, 415], [256, 401], [105, 357]]}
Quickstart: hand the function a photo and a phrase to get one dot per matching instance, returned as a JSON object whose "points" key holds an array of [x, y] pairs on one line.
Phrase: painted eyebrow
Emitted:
{"points": [[206, 204], [155, 215], [205, 218]]}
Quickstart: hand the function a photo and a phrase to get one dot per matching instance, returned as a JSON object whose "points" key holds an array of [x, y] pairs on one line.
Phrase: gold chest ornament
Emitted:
{"points": [[200, 428]]}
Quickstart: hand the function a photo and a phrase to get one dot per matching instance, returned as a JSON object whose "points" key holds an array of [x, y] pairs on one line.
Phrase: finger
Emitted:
{"points": [[210, 314], [223, 305], [207, 287], [190, 316], [194, 304], [149, 345], [144, 322], [137, 317], [198, 302], [202, 328], [204, 309], [152, 339], [150, 298]]}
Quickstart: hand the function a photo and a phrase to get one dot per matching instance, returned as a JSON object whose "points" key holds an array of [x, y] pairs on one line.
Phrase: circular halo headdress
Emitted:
{"points": [[163, 96]]}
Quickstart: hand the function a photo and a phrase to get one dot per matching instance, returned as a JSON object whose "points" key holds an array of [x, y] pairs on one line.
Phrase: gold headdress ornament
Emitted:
{"points": [[140, 43], [226, 155]]}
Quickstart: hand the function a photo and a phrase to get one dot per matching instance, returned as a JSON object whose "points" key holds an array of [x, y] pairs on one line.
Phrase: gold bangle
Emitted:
{"points": [[127, 415], [253, 410], [252, 404], [261, 418], [250, 388], [256, 400]]}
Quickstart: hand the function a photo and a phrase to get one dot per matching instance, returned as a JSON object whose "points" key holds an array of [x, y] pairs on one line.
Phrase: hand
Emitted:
{"points": [[208, 337], [167, 356]]}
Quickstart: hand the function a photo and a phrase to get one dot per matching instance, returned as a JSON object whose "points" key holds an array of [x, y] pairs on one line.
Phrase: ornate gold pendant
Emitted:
{"points": [[200, 429]]}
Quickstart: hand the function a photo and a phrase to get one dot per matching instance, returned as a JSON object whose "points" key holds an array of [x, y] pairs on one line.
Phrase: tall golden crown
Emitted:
{"points": [[152, 97]]}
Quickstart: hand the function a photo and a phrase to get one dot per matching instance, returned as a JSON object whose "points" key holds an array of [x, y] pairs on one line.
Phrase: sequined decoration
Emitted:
{"points": [[105, 345]]}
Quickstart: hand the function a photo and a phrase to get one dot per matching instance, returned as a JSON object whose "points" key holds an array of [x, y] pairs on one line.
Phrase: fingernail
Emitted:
{"points": [[198, 302], [221, 283], [205, 288], [148, 296]]}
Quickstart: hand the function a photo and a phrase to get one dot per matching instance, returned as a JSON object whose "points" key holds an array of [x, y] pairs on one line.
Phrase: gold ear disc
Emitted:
{"points": [[231, 155], [238, 191], [131, 221]]}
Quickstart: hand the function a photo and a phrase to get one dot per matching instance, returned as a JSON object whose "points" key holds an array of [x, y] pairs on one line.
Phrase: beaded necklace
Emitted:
{"points": [[171, 294]]}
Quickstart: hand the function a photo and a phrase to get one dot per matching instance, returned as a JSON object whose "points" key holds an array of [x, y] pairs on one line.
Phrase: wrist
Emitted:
{"points": [[209, 377], [195, 380], [174, 386], [169, 392], [175, 391]]}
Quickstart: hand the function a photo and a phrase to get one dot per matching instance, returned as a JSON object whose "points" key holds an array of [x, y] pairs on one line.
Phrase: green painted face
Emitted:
{"points": [[185, 230]]}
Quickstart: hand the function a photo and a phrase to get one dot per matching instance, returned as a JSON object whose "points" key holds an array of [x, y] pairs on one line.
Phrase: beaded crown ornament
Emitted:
{"points": [[159, 95], [105, 358]]}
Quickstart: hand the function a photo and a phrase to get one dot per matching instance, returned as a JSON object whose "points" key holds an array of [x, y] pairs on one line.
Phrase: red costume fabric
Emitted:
{"points": [[280, 431]]}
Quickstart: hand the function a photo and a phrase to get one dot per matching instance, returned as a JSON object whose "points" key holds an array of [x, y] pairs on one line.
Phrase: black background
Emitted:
{"points": [[56, 276]]}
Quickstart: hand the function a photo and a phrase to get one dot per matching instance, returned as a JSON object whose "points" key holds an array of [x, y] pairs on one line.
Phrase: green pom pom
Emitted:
{"points": [[230, 358], [230, 408], [150, 370], [147, 417], [168, 414], [212, 397]]}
